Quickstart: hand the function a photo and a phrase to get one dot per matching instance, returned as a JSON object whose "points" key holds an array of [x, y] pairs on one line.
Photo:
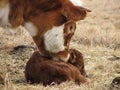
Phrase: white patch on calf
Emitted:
{"points": [[31, 28], [77, 2], [4, 16], [54, 39]]}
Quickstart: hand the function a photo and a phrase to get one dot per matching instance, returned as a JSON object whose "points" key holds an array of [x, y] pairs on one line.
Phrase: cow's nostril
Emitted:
{"points": [[71, 27]]}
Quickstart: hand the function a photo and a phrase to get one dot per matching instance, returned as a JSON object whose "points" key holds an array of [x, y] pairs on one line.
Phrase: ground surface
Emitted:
{"points": [[97, 37]]}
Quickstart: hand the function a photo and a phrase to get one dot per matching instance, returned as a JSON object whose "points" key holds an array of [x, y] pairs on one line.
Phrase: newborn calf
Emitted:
{"points": [[42, 70]]}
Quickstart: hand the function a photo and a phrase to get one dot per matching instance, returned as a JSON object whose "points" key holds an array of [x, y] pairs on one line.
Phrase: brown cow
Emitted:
{"points": [[44, 19]]}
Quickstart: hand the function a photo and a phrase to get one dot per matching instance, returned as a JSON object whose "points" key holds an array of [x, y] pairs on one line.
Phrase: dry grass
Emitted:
{"points": [[102, 27], [97, 37]]}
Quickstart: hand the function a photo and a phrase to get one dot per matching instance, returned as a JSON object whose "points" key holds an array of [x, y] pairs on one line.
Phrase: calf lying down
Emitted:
{"points": [[47, 71]]}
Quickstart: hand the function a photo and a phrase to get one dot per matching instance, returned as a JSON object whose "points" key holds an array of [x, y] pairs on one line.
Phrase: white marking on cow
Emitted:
{"points": [[77, 2], [65, 59], [54, 39], [4, 16], [31, 28]]}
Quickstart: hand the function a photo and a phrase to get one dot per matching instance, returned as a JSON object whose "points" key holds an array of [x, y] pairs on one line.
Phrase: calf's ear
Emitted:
{"points": [[75, 13]]}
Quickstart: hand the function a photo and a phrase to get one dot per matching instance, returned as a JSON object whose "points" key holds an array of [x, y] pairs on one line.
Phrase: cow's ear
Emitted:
{"points": [[75, 13]]}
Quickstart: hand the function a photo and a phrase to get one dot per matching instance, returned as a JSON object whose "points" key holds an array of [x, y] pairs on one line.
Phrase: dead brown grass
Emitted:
{"points": [[97, 37]]}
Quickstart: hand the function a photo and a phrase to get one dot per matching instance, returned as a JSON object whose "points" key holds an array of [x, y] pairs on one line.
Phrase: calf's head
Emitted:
{"points": [[69, 31]]}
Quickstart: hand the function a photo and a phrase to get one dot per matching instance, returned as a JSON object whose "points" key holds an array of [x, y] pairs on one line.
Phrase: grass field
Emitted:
{"points": [[97, 37]]}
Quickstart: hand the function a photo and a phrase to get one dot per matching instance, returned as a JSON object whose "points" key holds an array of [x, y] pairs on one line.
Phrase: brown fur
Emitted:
{"points": [[16, 17], [3, 3], [46, 71], [76, 59]]}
